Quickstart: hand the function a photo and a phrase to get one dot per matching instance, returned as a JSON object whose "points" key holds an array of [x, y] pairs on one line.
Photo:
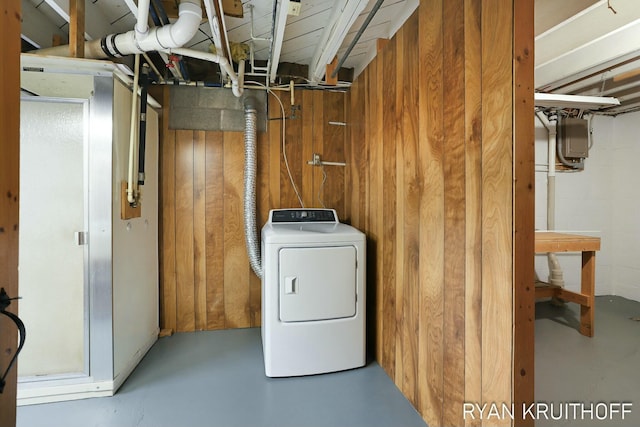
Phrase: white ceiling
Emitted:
{"points": [[585, 47]]}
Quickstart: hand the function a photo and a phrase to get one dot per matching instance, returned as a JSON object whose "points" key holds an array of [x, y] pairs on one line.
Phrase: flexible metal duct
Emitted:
{"points": [[250, 161]]}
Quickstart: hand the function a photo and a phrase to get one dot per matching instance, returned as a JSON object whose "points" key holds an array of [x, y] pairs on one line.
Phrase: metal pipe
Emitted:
{"points": [[364, 26], [143, 123], [250, 162]]}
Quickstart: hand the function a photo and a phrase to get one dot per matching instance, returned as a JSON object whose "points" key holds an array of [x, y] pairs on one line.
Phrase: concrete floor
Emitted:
{"points": [[217, 379], [573, 368]]}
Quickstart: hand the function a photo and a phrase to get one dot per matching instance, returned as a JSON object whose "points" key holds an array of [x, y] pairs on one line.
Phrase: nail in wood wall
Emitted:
{"points": [[433, 125]]}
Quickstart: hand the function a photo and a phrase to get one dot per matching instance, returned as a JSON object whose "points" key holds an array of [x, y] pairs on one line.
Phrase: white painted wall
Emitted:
{"points": [[135, 246], [626, 207], [600, 201]]}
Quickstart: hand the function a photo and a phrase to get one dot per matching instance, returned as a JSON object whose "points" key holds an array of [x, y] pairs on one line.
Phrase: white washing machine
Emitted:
{"points": [[313, 293]]}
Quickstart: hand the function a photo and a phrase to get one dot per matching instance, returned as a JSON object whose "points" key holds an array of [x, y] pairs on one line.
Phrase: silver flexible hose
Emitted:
{"points": [[250, 161]]}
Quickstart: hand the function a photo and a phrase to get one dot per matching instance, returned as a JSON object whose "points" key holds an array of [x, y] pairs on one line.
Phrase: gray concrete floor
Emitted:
{"points": [[574, 368], [217, 379]]}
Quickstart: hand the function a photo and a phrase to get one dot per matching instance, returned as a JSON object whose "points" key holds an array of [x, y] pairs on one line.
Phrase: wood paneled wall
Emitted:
{"points": [[437, 123], [206, 281], [10, 19]]}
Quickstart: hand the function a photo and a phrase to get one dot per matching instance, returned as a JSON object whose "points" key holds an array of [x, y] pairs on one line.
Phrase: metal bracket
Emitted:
{"points": [[317, 161]]}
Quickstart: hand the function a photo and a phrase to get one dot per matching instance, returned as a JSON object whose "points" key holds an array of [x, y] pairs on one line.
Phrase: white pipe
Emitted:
{"points": [[157, 38], [142, 23], [133, 135], [555, 269], [551, 124], [221, 60]]}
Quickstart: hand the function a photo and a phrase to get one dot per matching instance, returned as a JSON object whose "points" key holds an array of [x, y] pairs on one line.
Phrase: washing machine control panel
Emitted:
{"points": [[303, 215]]}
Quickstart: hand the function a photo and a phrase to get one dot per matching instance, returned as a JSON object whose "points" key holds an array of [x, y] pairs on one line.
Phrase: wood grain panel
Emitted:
{"points": [[332, 143], [524, 201], [206, 280], [317, 143], [497, 202], [168, 303], [431, 213], [199, 231], [214, 220], [9, 194], [375, 241], [473, 206], [447, 197], [386, 318], [184, 232], [413, 186], [293, 147], [400, 207], [236, 271], [308, 147], [454, 212], [275, 144]]}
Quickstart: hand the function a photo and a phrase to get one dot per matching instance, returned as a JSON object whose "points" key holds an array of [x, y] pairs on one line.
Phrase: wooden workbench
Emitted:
{"points": [[558, 242]]}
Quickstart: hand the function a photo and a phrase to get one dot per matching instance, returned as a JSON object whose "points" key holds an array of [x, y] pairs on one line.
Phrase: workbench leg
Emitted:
{"points": [[588, 288]]}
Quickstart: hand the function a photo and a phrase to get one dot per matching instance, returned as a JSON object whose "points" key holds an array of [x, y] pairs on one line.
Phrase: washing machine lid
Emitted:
{"points": [[317, 283]]}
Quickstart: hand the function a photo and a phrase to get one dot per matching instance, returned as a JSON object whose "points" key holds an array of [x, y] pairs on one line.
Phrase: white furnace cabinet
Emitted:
{"points": [[88, 279]]}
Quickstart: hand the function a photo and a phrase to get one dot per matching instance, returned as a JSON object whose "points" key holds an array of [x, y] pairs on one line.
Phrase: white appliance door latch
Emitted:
{"points": [[290, 284]]}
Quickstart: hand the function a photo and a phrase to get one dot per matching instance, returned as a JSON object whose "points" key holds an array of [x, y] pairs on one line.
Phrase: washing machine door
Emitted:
{"points": [[317, 283]]}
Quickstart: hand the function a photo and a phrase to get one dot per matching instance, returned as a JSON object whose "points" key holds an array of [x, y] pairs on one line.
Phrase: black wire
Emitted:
{"points": [[5, 301]]}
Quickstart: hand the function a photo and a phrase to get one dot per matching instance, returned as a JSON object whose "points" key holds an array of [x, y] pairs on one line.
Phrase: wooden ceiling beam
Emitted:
{"points": [[76, 28]]}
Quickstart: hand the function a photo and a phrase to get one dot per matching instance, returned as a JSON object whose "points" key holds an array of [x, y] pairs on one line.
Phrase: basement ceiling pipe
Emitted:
{"points": [[134, 41], [212, 57], [169, 39]]}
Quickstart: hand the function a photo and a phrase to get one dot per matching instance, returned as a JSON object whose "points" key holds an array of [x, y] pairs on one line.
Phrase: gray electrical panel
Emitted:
{"points": [[574, 134]]}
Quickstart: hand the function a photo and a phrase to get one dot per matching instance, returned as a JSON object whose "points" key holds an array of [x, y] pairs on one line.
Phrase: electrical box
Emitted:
{"points": [[574, 134]]}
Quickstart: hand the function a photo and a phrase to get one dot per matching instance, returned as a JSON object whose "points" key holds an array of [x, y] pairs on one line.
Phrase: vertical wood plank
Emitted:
{"points": [[275, 144], [333, 145], [262, 213], [454, 212], [10, 19], [497, 202], [293, 151], [473, 206], [319, 121], [214, 223], [400, 206], [236, 263], [76, 28], [387, 319], [375, 293], [413, 182], [309, 141], [199, 231], [524, 209], [184, 232], [431, 94], [168, 303]]}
